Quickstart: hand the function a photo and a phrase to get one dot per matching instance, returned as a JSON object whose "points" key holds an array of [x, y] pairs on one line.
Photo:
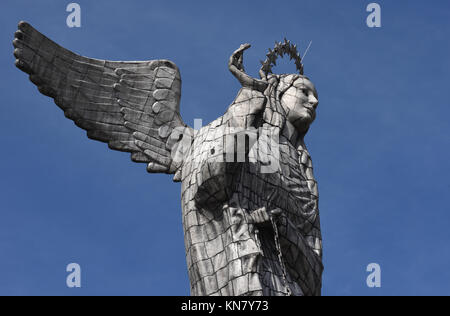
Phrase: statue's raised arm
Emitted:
{"points": [[134, 106]]}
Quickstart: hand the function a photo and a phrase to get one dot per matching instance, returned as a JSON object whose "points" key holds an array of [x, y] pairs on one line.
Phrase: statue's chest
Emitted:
{"points": [[291, 185]]}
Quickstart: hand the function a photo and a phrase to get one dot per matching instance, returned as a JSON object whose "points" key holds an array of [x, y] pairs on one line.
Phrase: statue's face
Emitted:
{"points": [[300, 102]]}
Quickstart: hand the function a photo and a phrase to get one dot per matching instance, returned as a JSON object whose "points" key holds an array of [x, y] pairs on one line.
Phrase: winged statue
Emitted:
{"points": [[249, 197]]}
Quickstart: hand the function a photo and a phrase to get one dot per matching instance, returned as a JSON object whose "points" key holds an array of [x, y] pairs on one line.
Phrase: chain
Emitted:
{"points": [[280, 256]]}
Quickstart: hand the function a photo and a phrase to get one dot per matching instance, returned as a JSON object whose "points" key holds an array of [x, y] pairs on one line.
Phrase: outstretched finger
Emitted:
{"points": [[245, 46], [241, 49]]}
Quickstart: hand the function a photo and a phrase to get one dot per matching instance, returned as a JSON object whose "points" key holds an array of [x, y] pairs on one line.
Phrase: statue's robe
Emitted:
{"points": [[226, 253]]}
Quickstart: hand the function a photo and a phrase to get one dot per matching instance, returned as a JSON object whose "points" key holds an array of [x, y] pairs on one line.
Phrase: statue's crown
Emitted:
{"points": [[280, 49]]}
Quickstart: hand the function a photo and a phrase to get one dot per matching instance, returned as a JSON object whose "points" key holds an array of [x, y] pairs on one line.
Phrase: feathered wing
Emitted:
{"points": [[132, 106]]}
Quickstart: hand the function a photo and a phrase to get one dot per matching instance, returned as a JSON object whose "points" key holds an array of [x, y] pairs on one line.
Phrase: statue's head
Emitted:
{"points": [[298, 98], [294, 92], [291, 97]]}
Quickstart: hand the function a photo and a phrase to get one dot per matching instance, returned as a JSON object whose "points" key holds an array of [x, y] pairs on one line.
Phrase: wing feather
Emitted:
{"points": [[132, 106]]}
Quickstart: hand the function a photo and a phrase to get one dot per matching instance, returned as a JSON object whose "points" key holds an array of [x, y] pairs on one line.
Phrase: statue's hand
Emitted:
{"points": [[236, 58], [238, 52], [243, 47], [262, 217]]}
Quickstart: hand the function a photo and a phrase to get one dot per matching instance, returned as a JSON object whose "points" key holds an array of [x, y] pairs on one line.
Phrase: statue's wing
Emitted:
{"points": [[132, 106]]}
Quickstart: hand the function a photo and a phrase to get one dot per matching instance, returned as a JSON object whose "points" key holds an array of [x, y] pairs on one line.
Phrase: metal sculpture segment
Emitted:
{"points": [[249, 197]]}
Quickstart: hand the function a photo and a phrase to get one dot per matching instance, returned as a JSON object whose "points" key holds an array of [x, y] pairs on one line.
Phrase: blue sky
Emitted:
{"points": [[380, 144]]}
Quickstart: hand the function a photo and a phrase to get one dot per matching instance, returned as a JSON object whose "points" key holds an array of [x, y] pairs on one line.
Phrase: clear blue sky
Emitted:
{"points": [[380, 145]]}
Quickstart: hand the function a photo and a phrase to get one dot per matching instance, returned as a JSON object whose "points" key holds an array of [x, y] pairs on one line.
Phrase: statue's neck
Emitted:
{"points": [[295, 137]]}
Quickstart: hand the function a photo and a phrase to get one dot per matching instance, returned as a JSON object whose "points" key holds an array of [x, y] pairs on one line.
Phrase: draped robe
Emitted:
{"points": [[226, 253]]}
